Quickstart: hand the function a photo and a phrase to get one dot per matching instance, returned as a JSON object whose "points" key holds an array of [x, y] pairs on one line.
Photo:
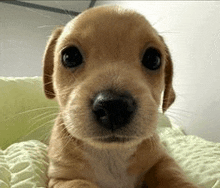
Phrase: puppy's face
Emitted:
{"points": [[107, 69]]}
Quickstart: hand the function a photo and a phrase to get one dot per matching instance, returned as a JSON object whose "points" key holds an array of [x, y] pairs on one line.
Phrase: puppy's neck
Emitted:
{"points": [[110, 165]]}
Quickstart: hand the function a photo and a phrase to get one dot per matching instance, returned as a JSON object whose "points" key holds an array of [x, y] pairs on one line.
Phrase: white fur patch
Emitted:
{"points": [[110, 166]]}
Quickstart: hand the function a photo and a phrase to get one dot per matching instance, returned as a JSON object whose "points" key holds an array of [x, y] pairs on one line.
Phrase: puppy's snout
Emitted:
{"points": [[113, 110]]}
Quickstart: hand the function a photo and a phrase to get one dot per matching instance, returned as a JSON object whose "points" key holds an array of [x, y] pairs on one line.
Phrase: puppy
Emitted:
{"points": [[107, 69]]}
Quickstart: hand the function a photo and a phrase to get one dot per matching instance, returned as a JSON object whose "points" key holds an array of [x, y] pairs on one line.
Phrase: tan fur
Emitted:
{"points": [[112, 41]]}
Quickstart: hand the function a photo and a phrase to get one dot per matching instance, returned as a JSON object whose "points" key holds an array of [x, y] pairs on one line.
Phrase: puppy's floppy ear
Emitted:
{"points": [[48, 61], [169, 94]]}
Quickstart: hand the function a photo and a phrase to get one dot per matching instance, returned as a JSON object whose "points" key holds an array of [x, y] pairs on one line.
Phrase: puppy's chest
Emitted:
{"points": [[110, 167]]}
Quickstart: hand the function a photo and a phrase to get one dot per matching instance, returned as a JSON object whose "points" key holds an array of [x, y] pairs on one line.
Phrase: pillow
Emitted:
{"points": [[25, 112], [24, 165]]}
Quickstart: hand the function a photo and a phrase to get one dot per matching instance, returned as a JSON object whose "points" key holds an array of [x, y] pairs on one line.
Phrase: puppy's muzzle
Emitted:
{"points": [[113, 110]]}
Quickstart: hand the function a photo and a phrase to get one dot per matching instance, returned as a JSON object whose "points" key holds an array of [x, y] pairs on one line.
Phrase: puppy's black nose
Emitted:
{"points": [[113, 110]]}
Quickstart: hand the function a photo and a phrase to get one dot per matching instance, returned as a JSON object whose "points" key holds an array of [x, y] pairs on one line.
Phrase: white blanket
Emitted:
{"points": [[200, 159], [24, 165]]}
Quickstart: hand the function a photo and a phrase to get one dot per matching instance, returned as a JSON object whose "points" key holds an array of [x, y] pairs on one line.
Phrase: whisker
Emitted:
{"points": [[31, 110], [158, 21], [181, 111], [45, 26], [175, 119], [41, 126], [169, 32], [43, 118], [40, 115], [67, 13], [46, 16]]}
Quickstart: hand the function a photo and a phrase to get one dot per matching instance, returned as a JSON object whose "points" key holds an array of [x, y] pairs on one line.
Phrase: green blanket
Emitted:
{"points": [[25, 113]]}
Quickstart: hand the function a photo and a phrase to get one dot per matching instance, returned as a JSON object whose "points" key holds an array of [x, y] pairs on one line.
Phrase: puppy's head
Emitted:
{"points": [[107, 69]]}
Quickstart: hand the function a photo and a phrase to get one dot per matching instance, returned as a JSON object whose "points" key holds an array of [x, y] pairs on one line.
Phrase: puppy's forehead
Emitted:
{"points": [[106, 17], [110, 24]]}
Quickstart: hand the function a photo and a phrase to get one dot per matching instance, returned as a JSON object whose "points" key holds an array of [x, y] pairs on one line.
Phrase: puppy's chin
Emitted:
{"points": [[114, 142]]}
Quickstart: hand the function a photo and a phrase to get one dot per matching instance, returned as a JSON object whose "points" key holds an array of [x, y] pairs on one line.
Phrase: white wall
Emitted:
{"points": [[24, 32], [191, 30]]}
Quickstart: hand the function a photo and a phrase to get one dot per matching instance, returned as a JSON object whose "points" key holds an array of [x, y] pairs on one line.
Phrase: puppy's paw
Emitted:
{"points": [[53, 183], [189, 185]]}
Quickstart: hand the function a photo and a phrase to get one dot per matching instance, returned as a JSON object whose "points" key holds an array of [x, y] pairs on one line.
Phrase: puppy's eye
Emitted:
{"points": [[71, 57], [152, 59]]}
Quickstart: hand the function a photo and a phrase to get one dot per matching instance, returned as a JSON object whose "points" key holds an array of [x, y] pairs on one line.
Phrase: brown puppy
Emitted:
{"points": [[107, 69]]}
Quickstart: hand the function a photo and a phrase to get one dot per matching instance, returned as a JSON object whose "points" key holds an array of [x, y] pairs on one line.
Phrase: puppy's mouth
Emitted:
{"points": [[114, 139]]}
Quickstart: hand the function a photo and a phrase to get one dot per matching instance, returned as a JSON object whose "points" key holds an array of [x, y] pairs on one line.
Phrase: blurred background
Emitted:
{"points": [[191, 30]]}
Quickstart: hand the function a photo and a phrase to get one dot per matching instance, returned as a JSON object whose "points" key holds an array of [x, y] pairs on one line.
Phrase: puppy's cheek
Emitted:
{"points": [[77, 115], [145, 121]]}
